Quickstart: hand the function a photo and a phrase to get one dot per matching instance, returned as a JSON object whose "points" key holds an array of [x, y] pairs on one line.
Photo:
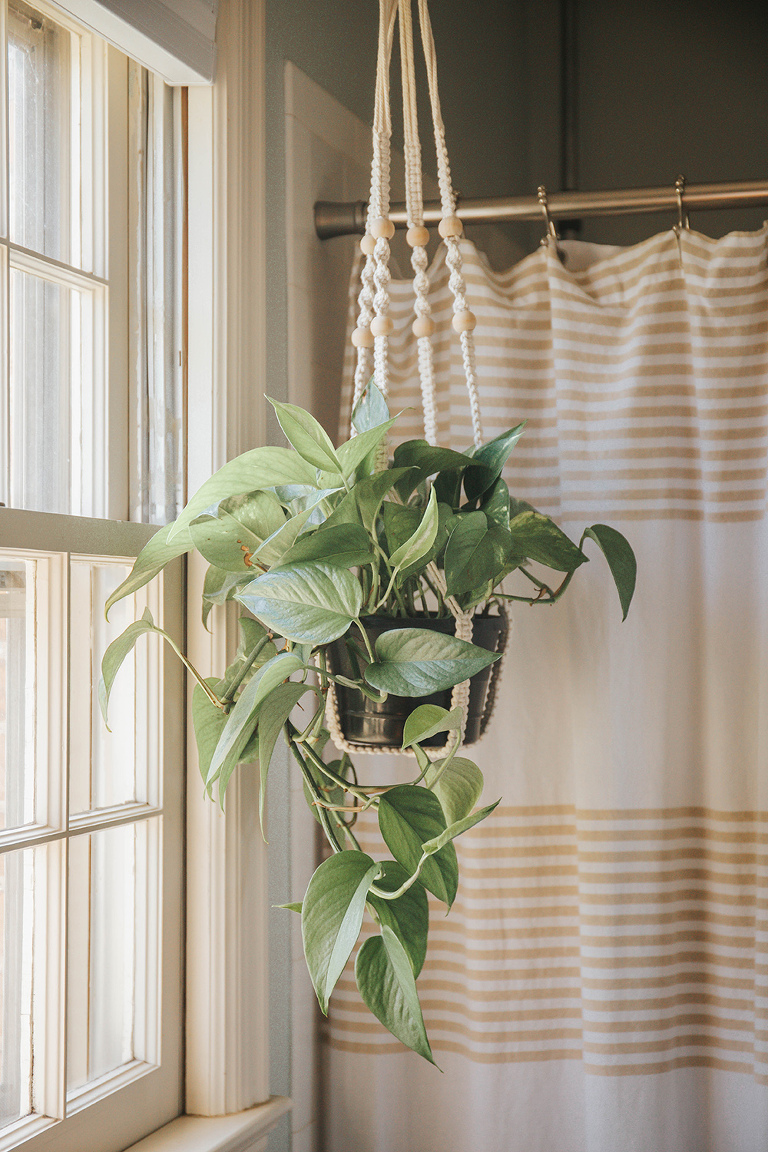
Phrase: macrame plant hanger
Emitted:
{"points": [[374, 324]]}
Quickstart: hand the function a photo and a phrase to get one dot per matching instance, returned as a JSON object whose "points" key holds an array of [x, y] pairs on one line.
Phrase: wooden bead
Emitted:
{"points": [[362, 338], [382, 326], [450, 226], [382, 226], [463, 321], [367, 244], [417, 236], [423, 326]]}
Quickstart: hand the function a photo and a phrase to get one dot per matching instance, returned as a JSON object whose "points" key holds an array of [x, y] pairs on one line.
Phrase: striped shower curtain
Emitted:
{"points": [[601, 984]]}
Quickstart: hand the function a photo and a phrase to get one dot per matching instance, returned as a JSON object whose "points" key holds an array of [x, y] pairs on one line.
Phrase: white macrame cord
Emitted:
{"points": [[374, 324]]}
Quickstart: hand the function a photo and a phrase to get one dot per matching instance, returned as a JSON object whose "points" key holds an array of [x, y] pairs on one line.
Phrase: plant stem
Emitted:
{"points": [[310, 783], [366, 641], [247, 665], [552, 598]]}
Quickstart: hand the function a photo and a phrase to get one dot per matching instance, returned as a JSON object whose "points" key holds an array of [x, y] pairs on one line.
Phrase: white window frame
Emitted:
{"points": [[227, 1028]]}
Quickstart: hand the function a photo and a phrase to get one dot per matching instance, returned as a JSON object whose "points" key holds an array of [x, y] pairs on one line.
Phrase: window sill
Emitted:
{"points": [[234, 1133]]}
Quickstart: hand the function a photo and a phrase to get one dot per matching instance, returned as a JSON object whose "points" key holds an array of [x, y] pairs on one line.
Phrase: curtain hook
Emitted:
{"points": [[683, 221], [551, 229]]}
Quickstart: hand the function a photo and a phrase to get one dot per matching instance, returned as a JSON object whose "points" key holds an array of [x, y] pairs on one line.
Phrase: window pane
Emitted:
{"points": [[112, 975], [40, 73], [17, 692], [16, 926], [50, 395], [107, 766]]}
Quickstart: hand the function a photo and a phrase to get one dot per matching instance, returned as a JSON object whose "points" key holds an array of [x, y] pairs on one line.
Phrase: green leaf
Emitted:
{"points": [[295, 906], [220, 586], [273, 714], [540, 539], [153, 557], [621, 561], [370, 492], [425, 460], [260, 512], [260, 468], [274, 548], [400, 522], [308, 437], [440, 842], [227, 542], [490, 459], [420, 543], [409, 816], [309, 603], [429, 719], [496, 504], [447, 485], [458, 786], [407, 916], [341, 545], [354, 451], [116, 654], [417, 662], [241, 721], [371, 409], [332, 915], [475, 553], [208, 722], [386, 983]]}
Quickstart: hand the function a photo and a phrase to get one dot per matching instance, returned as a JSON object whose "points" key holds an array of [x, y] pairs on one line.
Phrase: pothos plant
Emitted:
{"points": [[310, 541]]}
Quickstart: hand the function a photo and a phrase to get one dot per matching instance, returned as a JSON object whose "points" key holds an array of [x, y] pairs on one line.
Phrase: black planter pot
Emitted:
{"points": [[363, 721]]}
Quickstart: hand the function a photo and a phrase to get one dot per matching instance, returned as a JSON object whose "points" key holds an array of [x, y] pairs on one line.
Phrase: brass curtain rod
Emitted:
{"points": [[348, 219]]}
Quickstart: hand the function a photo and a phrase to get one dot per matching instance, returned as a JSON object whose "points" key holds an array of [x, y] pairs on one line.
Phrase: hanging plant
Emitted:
{"points": [[320, 548]]}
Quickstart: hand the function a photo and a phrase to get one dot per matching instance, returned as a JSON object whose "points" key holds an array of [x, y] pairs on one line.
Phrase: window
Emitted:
{"points": [[90, 426]]}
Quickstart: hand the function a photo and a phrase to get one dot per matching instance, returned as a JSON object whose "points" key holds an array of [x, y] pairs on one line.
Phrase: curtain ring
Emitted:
{"points": [[683, 221], [551, 230]]}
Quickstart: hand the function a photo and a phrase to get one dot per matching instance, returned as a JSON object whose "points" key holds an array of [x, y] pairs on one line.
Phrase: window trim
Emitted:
{"points": [[227, 1049]]}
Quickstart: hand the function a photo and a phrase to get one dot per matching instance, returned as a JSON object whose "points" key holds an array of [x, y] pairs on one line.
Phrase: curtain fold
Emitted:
{"points": [[602, 981]]}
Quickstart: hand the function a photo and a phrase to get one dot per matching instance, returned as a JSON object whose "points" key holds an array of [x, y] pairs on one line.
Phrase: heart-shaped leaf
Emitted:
{"points": [[386, 983], [621, 561], [429, 719], [153, 557], [457, 785], [540, 539], [331, 917], [309, 603], [475, 554], [418, 662], [490, 460], [308, 437], [407, 916], [409, 816], [260, 468]]}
